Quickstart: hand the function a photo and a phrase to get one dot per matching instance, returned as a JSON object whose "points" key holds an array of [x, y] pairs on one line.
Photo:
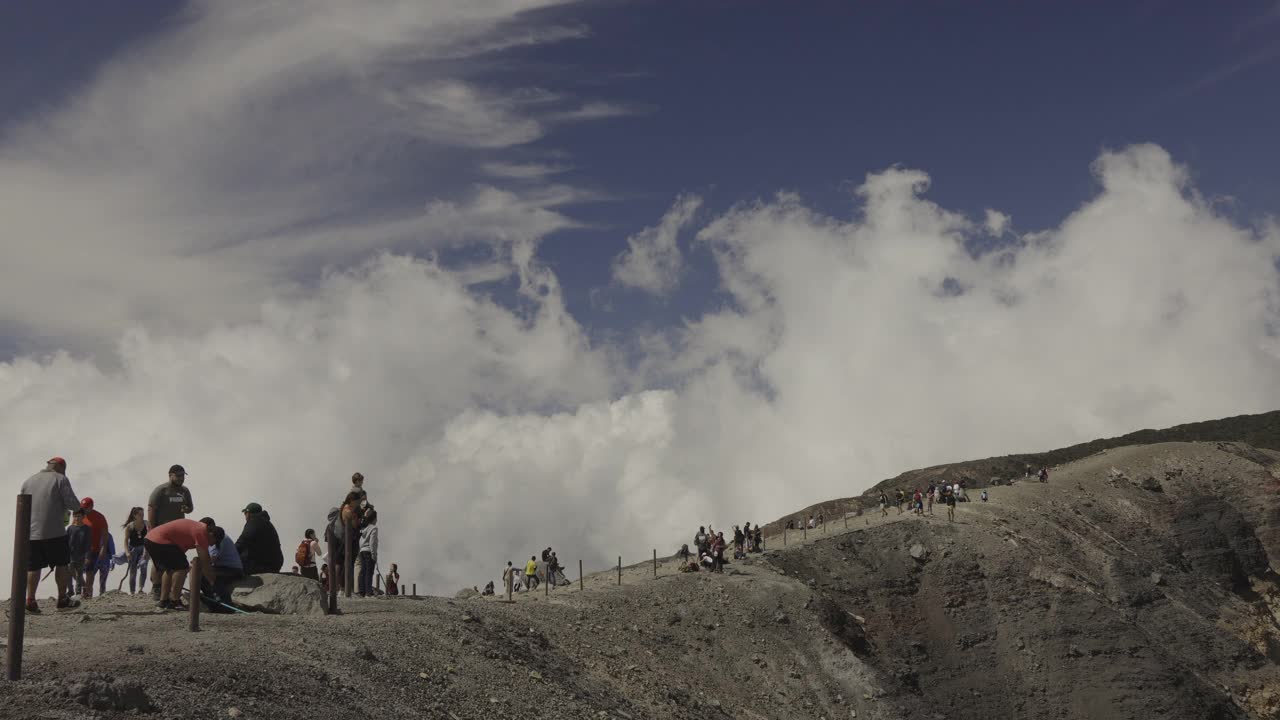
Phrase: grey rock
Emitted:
{"points": [[280, 595], [919, 552], [104, 693]]}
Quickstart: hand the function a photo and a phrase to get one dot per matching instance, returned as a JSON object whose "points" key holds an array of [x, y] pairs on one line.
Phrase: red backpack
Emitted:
{"points": [[303, 555]]}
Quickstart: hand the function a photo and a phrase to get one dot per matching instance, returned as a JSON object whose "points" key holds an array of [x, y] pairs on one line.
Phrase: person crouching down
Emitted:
{"points": [[167, 545]]}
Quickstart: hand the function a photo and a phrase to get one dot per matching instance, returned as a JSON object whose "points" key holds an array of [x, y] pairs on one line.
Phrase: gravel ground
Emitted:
{"points": [[1095, 596]]}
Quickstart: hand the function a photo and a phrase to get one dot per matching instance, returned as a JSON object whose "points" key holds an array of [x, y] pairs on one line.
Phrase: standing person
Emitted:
{"points": [[508, 573], [342, 520], [259, 543], [78, 542], [1044, 474], [393, 580], [984, 496], [739, 539], [309, 555], [135, 532], [324, 577], [47, 545], [168, 502], [531, 573], [901, 497], [951, 507], [105, 562], [97, 524], [167, 545], [884, 504], [368, 553]]}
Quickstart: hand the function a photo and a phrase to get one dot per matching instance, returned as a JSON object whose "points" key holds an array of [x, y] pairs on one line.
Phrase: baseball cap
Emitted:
{"points": [[252, 508], [86, 502], [177, 470], [56, 460]]}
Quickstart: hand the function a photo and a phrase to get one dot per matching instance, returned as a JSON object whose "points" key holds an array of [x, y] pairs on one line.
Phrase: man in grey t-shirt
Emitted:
{"points": [[51, 498], [171, 501]]}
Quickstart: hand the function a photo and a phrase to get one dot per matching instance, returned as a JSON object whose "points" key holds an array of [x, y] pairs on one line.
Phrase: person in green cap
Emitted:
{"points": [[259, 543]]}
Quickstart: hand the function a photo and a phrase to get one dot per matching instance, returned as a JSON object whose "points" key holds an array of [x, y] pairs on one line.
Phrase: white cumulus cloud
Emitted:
{"points": [[652, 260]]}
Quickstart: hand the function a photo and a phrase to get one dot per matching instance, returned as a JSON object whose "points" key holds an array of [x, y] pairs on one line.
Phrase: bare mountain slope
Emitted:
{"points": [[1136, 584]]}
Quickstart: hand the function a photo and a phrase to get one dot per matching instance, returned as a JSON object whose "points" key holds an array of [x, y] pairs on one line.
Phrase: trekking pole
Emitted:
{"points": [[194, 589], [18, 588], [333, 576], [582, 583]]}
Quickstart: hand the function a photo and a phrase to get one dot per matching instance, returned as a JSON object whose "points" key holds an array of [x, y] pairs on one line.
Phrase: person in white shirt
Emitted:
{"points": [[368, 553]]}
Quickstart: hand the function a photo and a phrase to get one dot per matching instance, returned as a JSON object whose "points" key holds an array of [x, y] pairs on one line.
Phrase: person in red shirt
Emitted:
{"points": [[167, 546], [97, 524]]}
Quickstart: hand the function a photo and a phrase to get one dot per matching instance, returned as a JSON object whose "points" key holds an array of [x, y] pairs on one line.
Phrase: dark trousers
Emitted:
{"points": [[366, 573], [222, 579], [309, 572]]}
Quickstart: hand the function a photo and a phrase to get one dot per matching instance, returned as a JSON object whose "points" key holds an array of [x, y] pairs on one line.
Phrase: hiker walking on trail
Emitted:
{"points": [[167, 545], [135, 532], [884, 504], [1044, 474], [106, 560], [47, 544], [368, 553], [308, 555], [901, 497], [168, 502], [259, 543], [97, 524]]}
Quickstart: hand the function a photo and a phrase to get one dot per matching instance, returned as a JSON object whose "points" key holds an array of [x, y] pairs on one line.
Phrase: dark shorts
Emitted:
{"points": [[49, 553], [167, 558]]}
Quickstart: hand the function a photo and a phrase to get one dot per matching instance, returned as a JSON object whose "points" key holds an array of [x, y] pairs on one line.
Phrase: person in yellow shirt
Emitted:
{"points": [[531, 573]]}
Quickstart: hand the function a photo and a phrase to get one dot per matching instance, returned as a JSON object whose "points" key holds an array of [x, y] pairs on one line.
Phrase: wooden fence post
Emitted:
{"points": [[582, 581], [415, 589], [18, 588], [784, 536], [333, 576], [349, 563], [655, 562], [193, 587], [619, 569]]}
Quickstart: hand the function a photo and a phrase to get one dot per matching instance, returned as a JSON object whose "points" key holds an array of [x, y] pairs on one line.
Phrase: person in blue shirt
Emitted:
{"points": [[227, 567]]}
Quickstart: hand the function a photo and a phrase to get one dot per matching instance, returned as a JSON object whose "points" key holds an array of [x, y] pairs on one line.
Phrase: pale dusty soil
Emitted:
{"points": [[1040, 604]]}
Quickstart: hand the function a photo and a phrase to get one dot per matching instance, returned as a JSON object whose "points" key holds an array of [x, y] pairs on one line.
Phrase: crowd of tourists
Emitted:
{"points": [[533, 574], [71, 538]]}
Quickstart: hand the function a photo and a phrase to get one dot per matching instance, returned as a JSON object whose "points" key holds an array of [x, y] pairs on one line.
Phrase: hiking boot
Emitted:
{"points": [[163, 605], [178, 605], [68, 603], [155, 594], [33, 607]]}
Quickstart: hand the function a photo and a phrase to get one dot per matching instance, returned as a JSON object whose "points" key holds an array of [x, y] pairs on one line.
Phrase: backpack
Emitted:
{"points": [[333, 530], [303, 555]]}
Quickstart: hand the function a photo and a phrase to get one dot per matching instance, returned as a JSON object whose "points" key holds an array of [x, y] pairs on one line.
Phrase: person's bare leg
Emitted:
{"points": [[62, 577], [88, 582], [175, 585], [33, 579]]}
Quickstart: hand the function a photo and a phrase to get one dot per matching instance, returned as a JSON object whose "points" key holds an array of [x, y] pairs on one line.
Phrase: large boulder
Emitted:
{"points": [[280, 595]]}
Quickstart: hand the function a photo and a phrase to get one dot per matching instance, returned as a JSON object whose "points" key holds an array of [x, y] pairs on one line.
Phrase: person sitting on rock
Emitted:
{"points": [[167, 546], [259, 543], [227, 567]]}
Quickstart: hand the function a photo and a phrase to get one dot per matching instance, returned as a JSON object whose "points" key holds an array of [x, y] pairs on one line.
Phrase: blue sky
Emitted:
{"points": [[1003, 104], [638, 266]]}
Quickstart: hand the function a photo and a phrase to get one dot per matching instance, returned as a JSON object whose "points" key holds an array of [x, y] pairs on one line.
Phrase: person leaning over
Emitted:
{"points": [[168, 502], [47, 546], [167, 545]]}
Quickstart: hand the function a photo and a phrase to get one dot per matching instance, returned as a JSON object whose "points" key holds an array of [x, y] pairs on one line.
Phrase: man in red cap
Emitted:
{"points": [[51, 497], [97, 524]]}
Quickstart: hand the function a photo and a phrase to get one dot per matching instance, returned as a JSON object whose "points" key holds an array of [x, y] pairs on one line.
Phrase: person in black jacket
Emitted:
{"points": [[259, 544]]}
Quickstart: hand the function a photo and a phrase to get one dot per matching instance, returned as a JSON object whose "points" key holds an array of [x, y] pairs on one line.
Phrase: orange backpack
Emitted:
{"points": [[303, 555]]}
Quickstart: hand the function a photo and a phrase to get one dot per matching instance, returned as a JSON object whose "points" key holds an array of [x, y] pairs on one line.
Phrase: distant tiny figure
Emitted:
{"points": [[984, 496], [294, 570], [951, 507], [884, 504], [1044, 474], [531, 573], [393, 580]]}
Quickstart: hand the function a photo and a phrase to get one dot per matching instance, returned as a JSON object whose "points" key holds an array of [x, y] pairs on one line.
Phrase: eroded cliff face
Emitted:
{"points": [[1136, 584]]}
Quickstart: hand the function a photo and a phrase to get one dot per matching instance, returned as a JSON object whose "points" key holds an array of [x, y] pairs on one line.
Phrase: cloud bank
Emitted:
{"points": [[185, 288]]}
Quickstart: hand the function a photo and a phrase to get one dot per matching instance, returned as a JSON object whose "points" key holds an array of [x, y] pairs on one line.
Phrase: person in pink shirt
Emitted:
{"points": [[167, 546]]}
